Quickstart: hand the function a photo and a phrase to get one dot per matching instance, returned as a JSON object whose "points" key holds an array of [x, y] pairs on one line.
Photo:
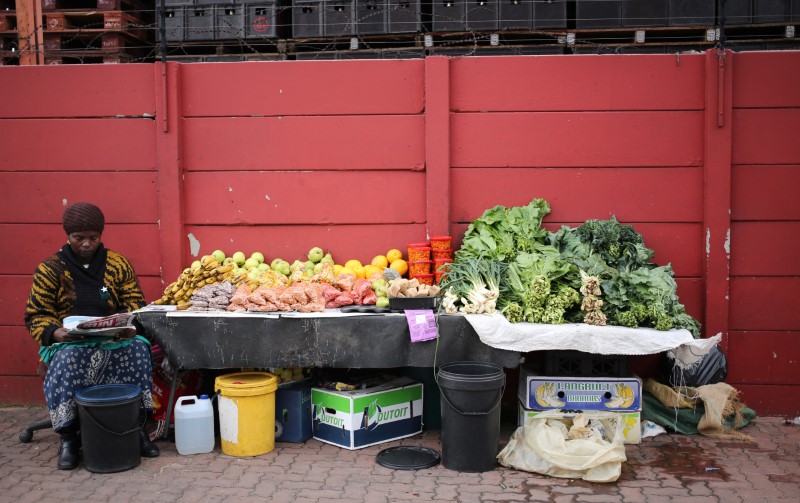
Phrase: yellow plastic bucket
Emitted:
{"points": [[247, 412]]}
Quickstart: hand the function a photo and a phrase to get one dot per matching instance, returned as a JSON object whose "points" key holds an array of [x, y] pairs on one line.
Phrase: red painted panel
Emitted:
{"points": [[78, 91], [770, 400], [578, 83], [766, 136], [152, 287], [35, 242], [303, 88], [20, 352], [766, 79], [574, 139], [264, 197], [14, 291], [576, 195], [692, 295], [765, 304], [765, 192], [292, 242], [312, 143], [26, 390], [77, 145], [764, 357], [765, 249], [51, 191]]}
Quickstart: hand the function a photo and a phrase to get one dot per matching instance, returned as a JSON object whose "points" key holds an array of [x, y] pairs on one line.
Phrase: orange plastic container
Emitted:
{"points": [[440, 242], [440, 276], [420, 267], [448, 253], [418, 254], [437, 264], [425, 279]]}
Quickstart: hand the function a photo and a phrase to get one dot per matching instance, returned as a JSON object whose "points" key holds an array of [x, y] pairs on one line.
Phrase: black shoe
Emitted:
{"points": [[68, 451], [148, 448]]}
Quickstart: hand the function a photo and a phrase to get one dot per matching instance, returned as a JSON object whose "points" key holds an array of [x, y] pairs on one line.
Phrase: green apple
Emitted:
{"points": [[250, 263], [239, 258], [309, 265], [382, 302], [315, 254], [228, 260], [219, 255], [318, 267], [258, 256], [276, 263], [263, 267], [327, 258]]}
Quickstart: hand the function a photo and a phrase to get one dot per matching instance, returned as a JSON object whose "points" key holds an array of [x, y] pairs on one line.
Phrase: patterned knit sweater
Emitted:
{"points": [[63, 287]]}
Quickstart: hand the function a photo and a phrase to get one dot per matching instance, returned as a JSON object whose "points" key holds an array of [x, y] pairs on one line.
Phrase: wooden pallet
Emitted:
{"points": [[91, 19], [68, 57], [49, 5], [95, 40]]}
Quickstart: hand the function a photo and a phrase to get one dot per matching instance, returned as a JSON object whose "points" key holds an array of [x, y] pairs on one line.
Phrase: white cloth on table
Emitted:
{"points": [[495, 331]]}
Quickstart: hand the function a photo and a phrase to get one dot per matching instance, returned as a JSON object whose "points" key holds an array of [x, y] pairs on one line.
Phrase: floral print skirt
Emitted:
{"points": [[75, 368]]}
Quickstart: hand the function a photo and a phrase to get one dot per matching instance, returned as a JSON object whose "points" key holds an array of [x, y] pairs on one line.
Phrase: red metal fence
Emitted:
{"points": [[698, 151]]}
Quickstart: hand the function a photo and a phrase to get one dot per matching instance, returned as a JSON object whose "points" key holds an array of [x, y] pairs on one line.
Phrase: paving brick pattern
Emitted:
{"points": [[661, 469]]}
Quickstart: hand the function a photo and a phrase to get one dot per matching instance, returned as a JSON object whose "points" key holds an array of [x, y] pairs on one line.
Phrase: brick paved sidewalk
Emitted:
{"points": [[660, 469]]}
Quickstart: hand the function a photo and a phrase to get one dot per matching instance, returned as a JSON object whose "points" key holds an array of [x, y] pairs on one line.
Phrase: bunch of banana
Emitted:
{"points": [[206, 271]]}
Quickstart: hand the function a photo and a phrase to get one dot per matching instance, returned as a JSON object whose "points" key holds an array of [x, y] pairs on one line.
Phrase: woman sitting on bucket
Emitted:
{"points": [[86, 279]]}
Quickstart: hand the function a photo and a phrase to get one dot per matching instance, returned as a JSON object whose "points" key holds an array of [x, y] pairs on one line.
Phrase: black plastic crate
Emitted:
{"points": [[580, 364], [549, 14], [404, 54], [307, 18], [449, 15], [404, 16], [737, 11], [691, 13], [482, 15], [178, 3], [592, 14], [263, 20], [772, 11], [371, 17], [339, 17], [199, 23], [174, 23], [229, 22], [516, 14], [795, 11], [644, 13]]}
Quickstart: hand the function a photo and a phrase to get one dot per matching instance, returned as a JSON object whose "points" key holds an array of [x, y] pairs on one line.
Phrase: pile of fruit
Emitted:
{"points": [[238, 283]]}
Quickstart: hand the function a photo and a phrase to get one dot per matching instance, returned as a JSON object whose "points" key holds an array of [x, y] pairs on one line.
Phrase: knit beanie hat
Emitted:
{"points": [[83, 217]]}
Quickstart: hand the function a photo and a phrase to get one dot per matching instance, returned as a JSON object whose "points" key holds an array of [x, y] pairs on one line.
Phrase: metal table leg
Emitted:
{"points": [[176, 377]]}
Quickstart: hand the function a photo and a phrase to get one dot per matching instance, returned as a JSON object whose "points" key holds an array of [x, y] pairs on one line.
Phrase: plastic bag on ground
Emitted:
{"points": [[543, 446]]}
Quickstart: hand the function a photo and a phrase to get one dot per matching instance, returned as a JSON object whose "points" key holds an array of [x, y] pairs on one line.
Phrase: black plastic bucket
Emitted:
{"points": [[110, 424], [471, 394]]}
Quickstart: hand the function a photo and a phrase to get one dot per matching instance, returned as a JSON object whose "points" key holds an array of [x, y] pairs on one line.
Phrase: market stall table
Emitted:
{"points": [[328, 340]]}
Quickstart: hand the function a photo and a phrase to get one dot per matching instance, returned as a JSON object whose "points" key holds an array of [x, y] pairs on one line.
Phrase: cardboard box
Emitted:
{"points": [[386, 411], [293, 411], [632, 428], [617, 394]]}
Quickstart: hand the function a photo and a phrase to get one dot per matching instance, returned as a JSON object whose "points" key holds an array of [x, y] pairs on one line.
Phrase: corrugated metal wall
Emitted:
{"points": [[697, 152]]}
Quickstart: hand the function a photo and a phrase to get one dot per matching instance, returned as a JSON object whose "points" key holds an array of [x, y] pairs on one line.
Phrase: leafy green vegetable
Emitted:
{"points": [[500, 233]]}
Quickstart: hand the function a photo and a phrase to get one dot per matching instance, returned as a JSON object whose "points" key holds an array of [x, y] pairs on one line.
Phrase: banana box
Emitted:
{"points": [[632, 429], [617, 394], [386, 411]]}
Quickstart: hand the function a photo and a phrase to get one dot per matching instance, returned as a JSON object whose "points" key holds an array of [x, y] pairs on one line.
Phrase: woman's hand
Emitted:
{"points": [[63, 335]]}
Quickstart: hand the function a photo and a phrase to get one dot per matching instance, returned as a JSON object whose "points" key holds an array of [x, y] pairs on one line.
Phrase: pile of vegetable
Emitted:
{"points": [[598, 273]]}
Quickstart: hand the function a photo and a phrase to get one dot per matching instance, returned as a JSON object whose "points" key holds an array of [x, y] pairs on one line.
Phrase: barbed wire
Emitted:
{"points": [[353, 28]]}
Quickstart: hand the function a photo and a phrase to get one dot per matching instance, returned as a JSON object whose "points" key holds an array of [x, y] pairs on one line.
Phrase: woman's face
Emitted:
{"points": [[84, 244]]}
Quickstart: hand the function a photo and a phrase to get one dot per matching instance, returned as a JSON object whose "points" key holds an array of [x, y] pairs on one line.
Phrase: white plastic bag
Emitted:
{"points": [[594, 453]]}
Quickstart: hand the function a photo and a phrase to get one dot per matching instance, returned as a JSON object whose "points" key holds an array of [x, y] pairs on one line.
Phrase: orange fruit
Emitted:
{"points": [[371, 270], [337, 269], [401, 266], [360, 271], [347, 270], [394, 254], [353, 263], [380, 261]]}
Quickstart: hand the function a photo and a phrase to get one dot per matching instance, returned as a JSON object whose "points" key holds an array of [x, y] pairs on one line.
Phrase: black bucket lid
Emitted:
{"points": [[108, 393], [408, 457]]}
